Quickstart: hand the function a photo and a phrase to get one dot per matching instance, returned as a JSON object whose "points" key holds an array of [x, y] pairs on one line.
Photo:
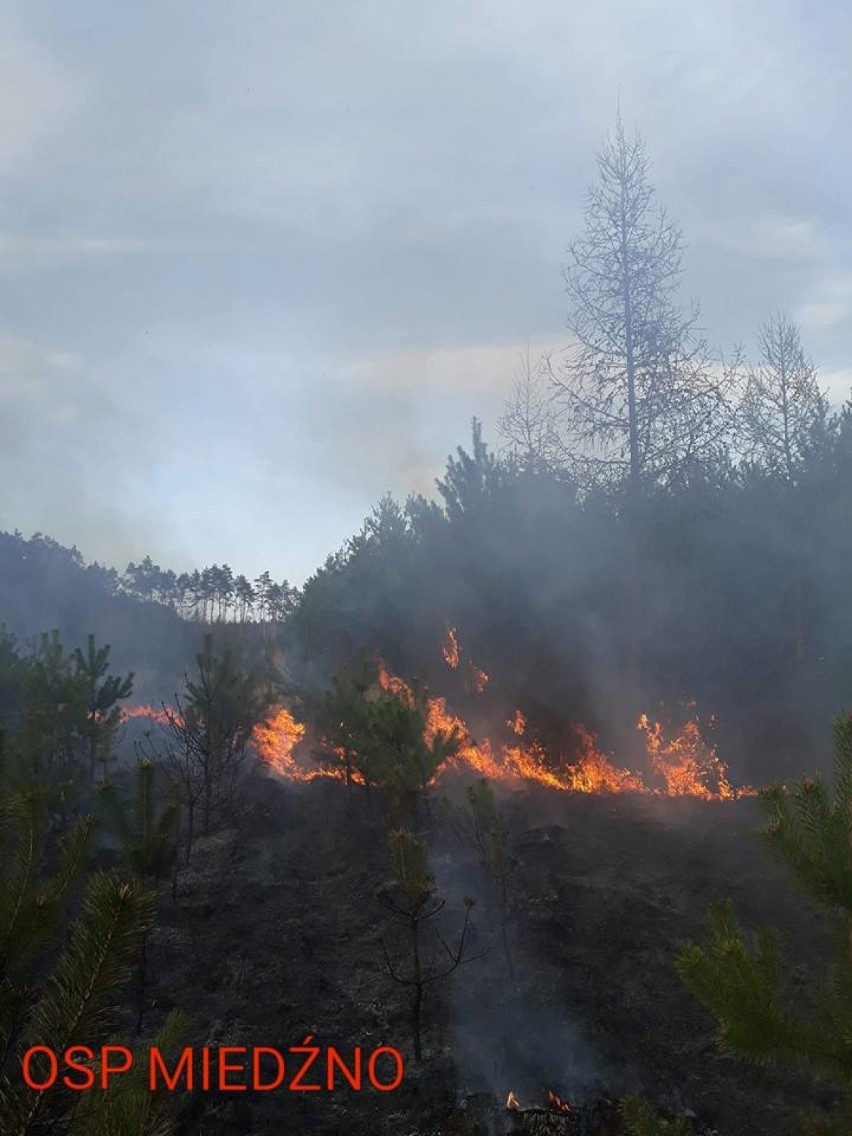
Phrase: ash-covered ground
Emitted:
{"points": [[277, 935]]}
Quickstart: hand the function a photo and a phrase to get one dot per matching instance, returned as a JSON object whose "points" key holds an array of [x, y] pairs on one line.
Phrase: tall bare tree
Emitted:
{"points": [[638, 394], [784, 424], [530, 418], [784, 408]]}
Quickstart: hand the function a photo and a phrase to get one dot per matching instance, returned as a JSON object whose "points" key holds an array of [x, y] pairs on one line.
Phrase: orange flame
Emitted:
{"points": [[686, 765], [275, 740], [160, 716], [476, 680], [557, 1103], [450, 648], [680, 765]]}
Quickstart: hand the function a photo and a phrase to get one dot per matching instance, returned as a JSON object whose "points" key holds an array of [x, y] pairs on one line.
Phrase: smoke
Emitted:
{"points": [[507, 1033]]}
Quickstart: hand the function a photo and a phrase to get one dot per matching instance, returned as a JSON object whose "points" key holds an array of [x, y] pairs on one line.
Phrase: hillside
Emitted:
{"points": [[283, 909]]}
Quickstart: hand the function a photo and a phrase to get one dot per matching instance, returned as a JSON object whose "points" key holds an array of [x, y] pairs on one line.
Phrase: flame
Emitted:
{"points": [[679, 764], [512, 1102], [557, 1103], [685, 765], [688, 765], [275, 740], [160, 716], [517, 723], [450, 648], [595, 773], [476, 680]]}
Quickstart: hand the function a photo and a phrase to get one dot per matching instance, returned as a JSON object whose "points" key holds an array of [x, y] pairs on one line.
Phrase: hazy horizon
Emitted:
{"points": [[261, 266]]}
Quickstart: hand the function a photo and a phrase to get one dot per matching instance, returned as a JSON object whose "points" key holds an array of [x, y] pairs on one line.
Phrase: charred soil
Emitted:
{"points": [[277, 936]]}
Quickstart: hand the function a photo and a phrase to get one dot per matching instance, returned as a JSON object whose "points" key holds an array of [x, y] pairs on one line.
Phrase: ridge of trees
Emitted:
{"points": [[208, 595]]}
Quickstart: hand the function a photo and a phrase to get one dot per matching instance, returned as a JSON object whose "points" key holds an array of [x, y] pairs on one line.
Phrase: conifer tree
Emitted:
{"points": [[69, 1000], [810, 831], [148, 835], [411, 895], [398, 753], [381, 736], [480, 824], [338, 715], [147, 827], [638, 398], [785, 409], [102, 693], [48, 739], [212, 728]]}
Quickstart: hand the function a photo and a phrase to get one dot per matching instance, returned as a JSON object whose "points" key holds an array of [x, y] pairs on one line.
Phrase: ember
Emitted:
{"points": [[557, 1118]]}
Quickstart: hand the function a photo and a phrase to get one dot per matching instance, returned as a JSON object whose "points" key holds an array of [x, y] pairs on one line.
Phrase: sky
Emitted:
{"points": [[262, 262]]}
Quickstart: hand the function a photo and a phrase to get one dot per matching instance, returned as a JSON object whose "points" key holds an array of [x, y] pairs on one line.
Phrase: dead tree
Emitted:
{"points": [[638, 396]]}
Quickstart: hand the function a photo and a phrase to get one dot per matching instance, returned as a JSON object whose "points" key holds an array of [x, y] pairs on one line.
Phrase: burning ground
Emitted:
{"points": [[676, 760], [615, 865]]}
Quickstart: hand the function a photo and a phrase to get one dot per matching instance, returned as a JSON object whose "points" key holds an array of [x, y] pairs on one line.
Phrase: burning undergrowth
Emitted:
{"points": [[676, 761]]}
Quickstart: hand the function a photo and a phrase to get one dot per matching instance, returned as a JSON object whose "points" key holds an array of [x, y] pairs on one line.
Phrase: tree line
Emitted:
{"points": [[213, 594], [209, 595]]}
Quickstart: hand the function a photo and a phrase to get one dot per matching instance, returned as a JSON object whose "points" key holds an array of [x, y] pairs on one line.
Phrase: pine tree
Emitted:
{"points": [[69, 1000], [30, 897], [54, 708], [471, 479], [146, 828], [212, 728], [480, 824], [396, 752], [412, 896], [810, 831], [102, 693], [148, 836], [339, 715], [784, 409], [638, 397]]}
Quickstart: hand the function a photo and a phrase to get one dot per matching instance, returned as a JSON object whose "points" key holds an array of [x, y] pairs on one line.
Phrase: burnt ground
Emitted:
{"points": [[277, 934]]}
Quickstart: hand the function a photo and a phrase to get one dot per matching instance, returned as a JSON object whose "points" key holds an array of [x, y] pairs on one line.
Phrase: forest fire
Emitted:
{"points": [[150, 712], [679, 763], [275, 740], [683, 765], [475, 679]]}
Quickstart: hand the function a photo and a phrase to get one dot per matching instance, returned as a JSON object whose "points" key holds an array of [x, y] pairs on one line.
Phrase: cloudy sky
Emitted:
{"points": [[261, 262]]}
